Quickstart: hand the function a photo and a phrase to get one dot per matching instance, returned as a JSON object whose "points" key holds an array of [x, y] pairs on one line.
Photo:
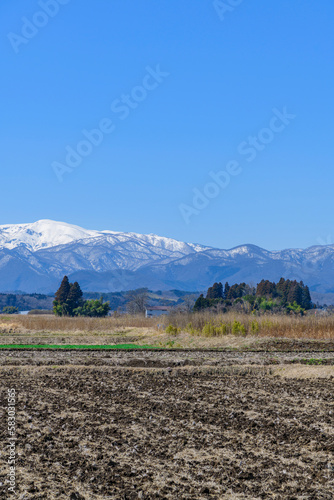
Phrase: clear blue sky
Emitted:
{"points": [[225, 78]]}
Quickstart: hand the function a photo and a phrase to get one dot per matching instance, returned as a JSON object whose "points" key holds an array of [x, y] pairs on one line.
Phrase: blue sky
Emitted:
{"points": [[219, 74]]}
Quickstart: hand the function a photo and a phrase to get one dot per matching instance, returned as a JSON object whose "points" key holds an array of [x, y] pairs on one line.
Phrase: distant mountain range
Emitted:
{"points": [[34, 258]]}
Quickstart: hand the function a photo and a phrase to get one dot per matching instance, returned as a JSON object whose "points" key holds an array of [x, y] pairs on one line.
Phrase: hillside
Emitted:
{"points": [[34, 258]]}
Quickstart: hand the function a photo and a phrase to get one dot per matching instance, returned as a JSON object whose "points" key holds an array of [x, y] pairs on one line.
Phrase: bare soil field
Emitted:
{"points": [[169, 425], [208, 359]]}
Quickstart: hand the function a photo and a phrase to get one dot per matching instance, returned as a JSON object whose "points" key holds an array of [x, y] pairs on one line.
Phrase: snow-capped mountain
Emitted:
{"points": [[41, 234], [34, 258], [47, 233]]}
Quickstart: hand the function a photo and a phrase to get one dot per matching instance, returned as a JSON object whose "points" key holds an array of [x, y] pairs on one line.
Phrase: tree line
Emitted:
{"points": [[284, 296], [69, 302]]}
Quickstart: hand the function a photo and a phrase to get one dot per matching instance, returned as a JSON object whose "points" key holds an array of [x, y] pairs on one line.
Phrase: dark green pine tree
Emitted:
{"points": [[74, 299], [282, 288], [219, 291], [241, 289], [306, 301], [61, 297], [236, 291], [295, 293], [63, 291], [201, 303], [215, 291], [226, 290]]}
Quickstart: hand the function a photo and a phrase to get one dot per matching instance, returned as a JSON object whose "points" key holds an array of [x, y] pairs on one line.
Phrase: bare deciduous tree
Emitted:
{"points": [[137, 301]]}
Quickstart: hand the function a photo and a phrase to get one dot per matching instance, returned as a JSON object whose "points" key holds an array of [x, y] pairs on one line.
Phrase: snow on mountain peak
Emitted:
{"points": [[41, 234], [47, 233], [34, 258]]}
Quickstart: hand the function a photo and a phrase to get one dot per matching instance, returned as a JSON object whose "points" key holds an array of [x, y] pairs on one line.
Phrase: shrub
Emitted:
{"points": [[190, 329], [208, 330], [40, 311], [211, 330], [255, 327], [174, 330], [93, 309], [294, 308], [222, 329], [10, 310], [238, 328], [268, 325]]}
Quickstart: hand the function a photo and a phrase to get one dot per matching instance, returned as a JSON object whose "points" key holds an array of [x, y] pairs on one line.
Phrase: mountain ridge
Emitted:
{"points": [[35, 256]]}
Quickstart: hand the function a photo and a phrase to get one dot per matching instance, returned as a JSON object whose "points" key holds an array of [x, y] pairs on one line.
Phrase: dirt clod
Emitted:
{"points": [[113, 431]]}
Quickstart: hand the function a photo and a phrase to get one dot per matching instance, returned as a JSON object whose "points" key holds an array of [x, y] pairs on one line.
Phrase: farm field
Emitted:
{"points": [[230, 417], [170, 424]]}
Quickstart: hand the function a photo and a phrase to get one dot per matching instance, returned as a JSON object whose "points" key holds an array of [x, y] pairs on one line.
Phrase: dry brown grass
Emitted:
{"points": [[277, 326], [57, 324], [11, 327], [189, 325], [303, 371]]}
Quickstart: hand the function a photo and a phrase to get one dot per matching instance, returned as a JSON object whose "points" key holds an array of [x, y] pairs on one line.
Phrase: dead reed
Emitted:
{"points": [[203, 324], [294, 327], [44, 323]]}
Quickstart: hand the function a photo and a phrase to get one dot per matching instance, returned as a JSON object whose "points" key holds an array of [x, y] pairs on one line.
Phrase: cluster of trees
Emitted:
{"points": [[227, 292], [286, 296], [286, 291], [223, 295], [69, 302], [10, 310]]}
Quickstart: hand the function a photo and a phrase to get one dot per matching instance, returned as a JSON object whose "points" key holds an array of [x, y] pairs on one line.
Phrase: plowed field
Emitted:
{"points": [[186, 432]]}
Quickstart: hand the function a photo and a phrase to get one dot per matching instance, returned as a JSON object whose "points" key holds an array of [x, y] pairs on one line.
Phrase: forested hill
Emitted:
{"points": [[25, 302]]}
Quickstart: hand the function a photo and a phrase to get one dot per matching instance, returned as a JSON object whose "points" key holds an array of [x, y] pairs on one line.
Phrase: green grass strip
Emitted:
{"points": [[69, 346]]}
